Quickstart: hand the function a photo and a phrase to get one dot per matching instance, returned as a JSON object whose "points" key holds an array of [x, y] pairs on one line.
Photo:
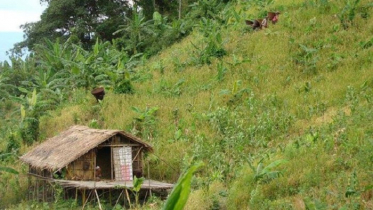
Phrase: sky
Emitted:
{"points": [[14, 13]]}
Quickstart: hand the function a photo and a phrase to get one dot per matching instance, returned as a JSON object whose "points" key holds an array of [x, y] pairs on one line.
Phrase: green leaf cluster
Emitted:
{"points": [[181, 190]]}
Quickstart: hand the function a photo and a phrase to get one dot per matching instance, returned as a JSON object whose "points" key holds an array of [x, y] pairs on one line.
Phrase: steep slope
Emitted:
{"points": [[281, 119]]}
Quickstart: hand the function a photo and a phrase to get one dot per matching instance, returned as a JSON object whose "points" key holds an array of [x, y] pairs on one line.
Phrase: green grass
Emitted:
{"points": [[310, 105]]}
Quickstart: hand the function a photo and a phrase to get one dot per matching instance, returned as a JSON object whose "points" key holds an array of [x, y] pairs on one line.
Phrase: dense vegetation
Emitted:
{"points": [[280, 117]]}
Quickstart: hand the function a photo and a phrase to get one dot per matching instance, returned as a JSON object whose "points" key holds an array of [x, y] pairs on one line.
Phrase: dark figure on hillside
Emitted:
{"points": [[263, 23], [98, 93], [273, 16], [256, 24], [98, 173]]}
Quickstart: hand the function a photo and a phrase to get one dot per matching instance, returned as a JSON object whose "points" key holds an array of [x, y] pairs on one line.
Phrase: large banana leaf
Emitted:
{"points": [[7, 169], [180, 193]]}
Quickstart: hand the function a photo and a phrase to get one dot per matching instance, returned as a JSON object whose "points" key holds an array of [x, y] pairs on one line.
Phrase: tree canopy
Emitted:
{"points": [[84, 19]]}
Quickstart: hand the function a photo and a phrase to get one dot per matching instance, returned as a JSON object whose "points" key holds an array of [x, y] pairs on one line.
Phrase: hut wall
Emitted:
{"points": [[122, 157], [40, 172], [113, 163], [137, 163], [121, 140], [82, 168], [137, 153]]}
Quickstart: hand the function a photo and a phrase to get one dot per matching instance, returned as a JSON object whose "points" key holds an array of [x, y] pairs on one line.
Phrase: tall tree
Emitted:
{"points": [[85, 19], [165, 7], [137, 28]]}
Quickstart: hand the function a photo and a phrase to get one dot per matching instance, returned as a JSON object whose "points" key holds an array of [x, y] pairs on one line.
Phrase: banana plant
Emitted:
{"points": [[13, 76], [91, 69], [181, 191], [7, 169], [5, 87], [31, 110], [144, 123], [51, 86], [206, 8], [137, 183], [266, 173], [137, 28], [53, 55], [122, 79]]}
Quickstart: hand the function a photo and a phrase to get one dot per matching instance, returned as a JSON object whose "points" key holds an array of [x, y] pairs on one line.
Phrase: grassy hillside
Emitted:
{"points": [[281, 121]]}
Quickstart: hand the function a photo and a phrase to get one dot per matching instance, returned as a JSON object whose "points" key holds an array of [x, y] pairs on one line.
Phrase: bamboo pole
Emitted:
{"points": [[112, 163], [128, 198], [87, 199], [150, 189], [94, 157], [76, 194], [43, 190], [120, 145], [98, 200], [137, 154], [28, 187], [83, 196], [146, 195], [110, 196], [36, 190], [120, 195]]}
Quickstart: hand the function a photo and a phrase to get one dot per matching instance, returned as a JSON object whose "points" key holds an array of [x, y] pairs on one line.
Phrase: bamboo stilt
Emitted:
{"points": [[110, 196], [76, 194], [98, 200], [84, 203], [150, 190], [120, 195], [83, 196], [37, 190], [29, 187], [43, 191], [112, 163], [128, 198], [146, 195]]}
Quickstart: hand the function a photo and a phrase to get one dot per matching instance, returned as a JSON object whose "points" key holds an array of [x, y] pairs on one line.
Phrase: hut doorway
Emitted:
{"points": [[103, 159], [123, 163]]}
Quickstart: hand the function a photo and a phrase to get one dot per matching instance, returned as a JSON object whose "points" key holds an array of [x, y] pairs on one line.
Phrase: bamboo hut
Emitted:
{"points": [[86, 158]]}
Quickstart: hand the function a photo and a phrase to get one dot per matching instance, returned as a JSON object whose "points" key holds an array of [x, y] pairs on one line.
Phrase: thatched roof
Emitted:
{"points": [[57, 152]]}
